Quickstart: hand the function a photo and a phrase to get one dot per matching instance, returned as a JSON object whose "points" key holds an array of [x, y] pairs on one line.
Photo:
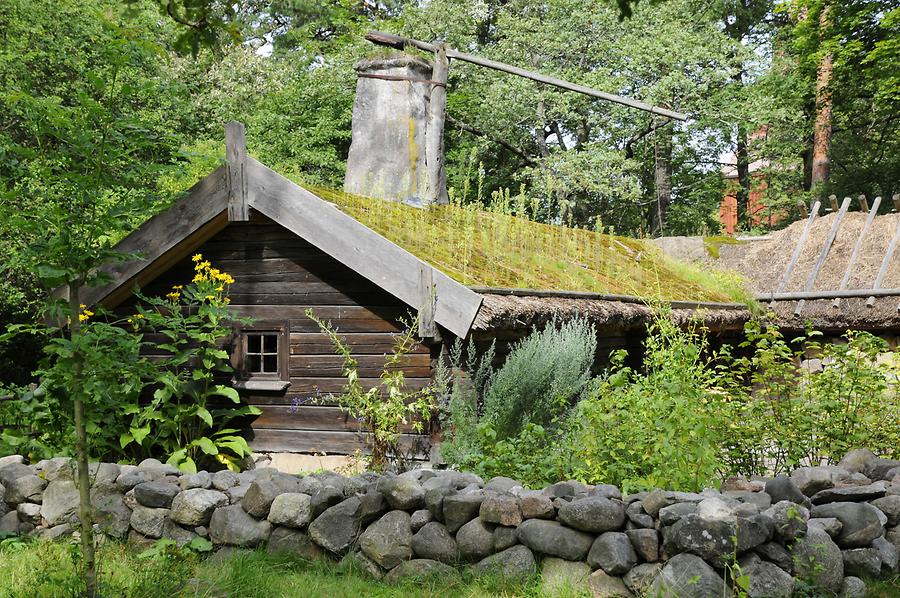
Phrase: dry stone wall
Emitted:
{"points": [[828, 526]]}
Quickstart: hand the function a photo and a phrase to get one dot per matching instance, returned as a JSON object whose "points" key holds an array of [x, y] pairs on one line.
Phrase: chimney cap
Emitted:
{"points": [[397, 61]]}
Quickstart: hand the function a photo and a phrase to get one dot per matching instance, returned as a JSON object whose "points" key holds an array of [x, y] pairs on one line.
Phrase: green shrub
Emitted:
{"points": [[540, 378], [662, 427]]}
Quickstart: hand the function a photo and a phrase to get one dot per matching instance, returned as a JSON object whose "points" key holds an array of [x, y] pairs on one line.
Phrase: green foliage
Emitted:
{"points": [[510, 421], [658, 428], [386, 407], [798, 418], [540, 378], [181, 421]]}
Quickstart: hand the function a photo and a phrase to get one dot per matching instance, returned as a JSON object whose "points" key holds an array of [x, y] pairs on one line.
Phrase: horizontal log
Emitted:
{"points": [[329, 442], [305, 417], [303, 389], [360, 343], [416, 365]]}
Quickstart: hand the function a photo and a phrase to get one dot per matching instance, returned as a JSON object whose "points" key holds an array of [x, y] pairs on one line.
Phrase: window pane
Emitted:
{"points": [[270, 363], [254, 343], [254, 363], [271, 345]]}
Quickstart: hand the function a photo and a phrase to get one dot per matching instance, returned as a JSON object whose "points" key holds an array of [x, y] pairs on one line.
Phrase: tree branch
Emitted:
{"points": [[470, 129]]}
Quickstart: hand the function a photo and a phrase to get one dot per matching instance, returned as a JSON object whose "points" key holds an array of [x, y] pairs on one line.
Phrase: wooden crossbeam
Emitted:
{"points": [[885, 263], [236, 158], [799, 248], [859, 242], [826, 249]]}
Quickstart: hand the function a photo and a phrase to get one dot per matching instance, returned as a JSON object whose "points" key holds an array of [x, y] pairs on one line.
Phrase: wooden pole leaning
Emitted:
{"points": [[826, 249], [859, 243], [236, 159], [399, 43]]}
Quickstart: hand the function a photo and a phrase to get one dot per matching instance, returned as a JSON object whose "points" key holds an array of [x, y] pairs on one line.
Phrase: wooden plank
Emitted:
{"points": [[427, 326], [885, 263], [305, 417], [801, 242], [415, 365], [823, 254], [434, 135], [395, 41], [236, 159], [328, 442], [304, 389], [164, 239], [311, 343], [358, 247], [857, 246]]}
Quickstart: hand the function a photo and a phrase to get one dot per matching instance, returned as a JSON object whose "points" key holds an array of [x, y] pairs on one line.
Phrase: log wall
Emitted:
{"points": [[277, 277]]}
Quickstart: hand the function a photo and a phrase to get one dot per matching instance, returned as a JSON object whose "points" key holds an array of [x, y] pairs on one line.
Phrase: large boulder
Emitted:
{"points": [[513, 563], [13, 471], [810, 480], [261, 493], [291, 509], [201, 479], [111, 514], [27, 488], [195, 506], [338, 527], [860, 522], [553, 539], [850, 494], [645, 543], [562, 577], [388, 541], [293, 542], [766, 579], [157, 495], [714, 539], [862, 562], [594, 514], [612, 552], [818, 561], [475, 540], [459, 509], [890, 506], [687, 575], [149, 522], [60, 502], [502, 509], [233, 526], [421, 569], [536, 505], [639, 579], [603, 585], [781, 487], [402, 493], [434, 542], [790, 520]]}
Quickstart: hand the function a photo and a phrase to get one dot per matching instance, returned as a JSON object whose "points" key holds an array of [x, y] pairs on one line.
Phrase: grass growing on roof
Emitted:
{"points": [[485, 248]]}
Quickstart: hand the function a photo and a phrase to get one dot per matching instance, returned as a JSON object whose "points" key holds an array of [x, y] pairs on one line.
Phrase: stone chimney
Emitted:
{"points": [[387, 152]]}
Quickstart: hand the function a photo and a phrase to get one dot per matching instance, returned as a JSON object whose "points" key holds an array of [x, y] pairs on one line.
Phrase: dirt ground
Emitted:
{"points": [[763, 262]]}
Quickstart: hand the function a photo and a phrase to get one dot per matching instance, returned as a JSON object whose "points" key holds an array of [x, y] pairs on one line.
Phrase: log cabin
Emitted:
{"points": [[290, 250]]}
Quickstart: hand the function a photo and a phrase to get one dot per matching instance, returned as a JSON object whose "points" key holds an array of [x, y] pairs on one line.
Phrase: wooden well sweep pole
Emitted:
{"points": [[398, 42]]}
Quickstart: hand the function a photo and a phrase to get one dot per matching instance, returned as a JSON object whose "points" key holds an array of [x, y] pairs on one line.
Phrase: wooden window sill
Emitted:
{"points": [[261, 385]]}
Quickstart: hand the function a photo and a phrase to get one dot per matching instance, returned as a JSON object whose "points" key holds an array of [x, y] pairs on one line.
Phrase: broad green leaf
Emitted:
{"points": [[204, 414], [226, 391], [125, 439], [206, 445]]}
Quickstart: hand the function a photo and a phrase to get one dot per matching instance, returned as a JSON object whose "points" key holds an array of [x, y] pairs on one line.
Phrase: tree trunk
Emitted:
{"points": [[434, 136], [662, 176], [742, 162], [81, 459], [821, 162]]}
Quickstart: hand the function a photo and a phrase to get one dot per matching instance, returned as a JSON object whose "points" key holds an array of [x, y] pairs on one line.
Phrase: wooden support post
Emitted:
{"points": [[896, 199], [885, 263], [826, 249], [236, 158], [434, 135], [832, 199], [863, 203], [799, 248], [857, 246], [427, 326]]}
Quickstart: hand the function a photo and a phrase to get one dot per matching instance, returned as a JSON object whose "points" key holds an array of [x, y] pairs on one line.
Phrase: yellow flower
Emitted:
{"points": [[220, 288], [197, 257], [83, 318], [198, 278], [174, 296], [177, 287], [209, 297]]}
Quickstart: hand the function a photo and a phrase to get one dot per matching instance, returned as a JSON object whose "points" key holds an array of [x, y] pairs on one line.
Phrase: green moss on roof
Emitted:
{"points": [[480, 248]]}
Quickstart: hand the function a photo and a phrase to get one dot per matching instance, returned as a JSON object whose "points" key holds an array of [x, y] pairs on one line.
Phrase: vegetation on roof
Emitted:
{"points": [[480, 247]]}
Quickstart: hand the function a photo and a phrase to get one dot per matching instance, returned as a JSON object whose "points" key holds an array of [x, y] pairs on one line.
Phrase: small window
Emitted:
{"points": [[262, 352]]}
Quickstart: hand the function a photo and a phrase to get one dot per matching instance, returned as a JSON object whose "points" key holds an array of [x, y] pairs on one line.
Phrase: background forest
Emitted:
{"points": [[156, 79]]}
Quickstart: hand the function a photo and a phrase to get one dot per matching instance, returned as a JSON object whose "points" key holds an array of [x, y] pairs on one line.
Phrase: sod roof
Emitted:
{"points": [[488, 249]]}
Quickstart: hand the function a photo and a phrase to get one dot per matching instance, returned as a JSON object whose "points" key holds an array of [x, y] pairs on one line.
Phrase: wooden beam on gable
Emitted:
{"points": [[358, 247], [236, 159], [164, 239]]}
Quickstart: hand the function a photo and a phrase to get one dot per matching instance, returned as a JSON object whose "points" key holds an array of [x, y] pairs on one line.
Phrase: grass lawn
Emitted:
{"points": [[48, 570]]}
